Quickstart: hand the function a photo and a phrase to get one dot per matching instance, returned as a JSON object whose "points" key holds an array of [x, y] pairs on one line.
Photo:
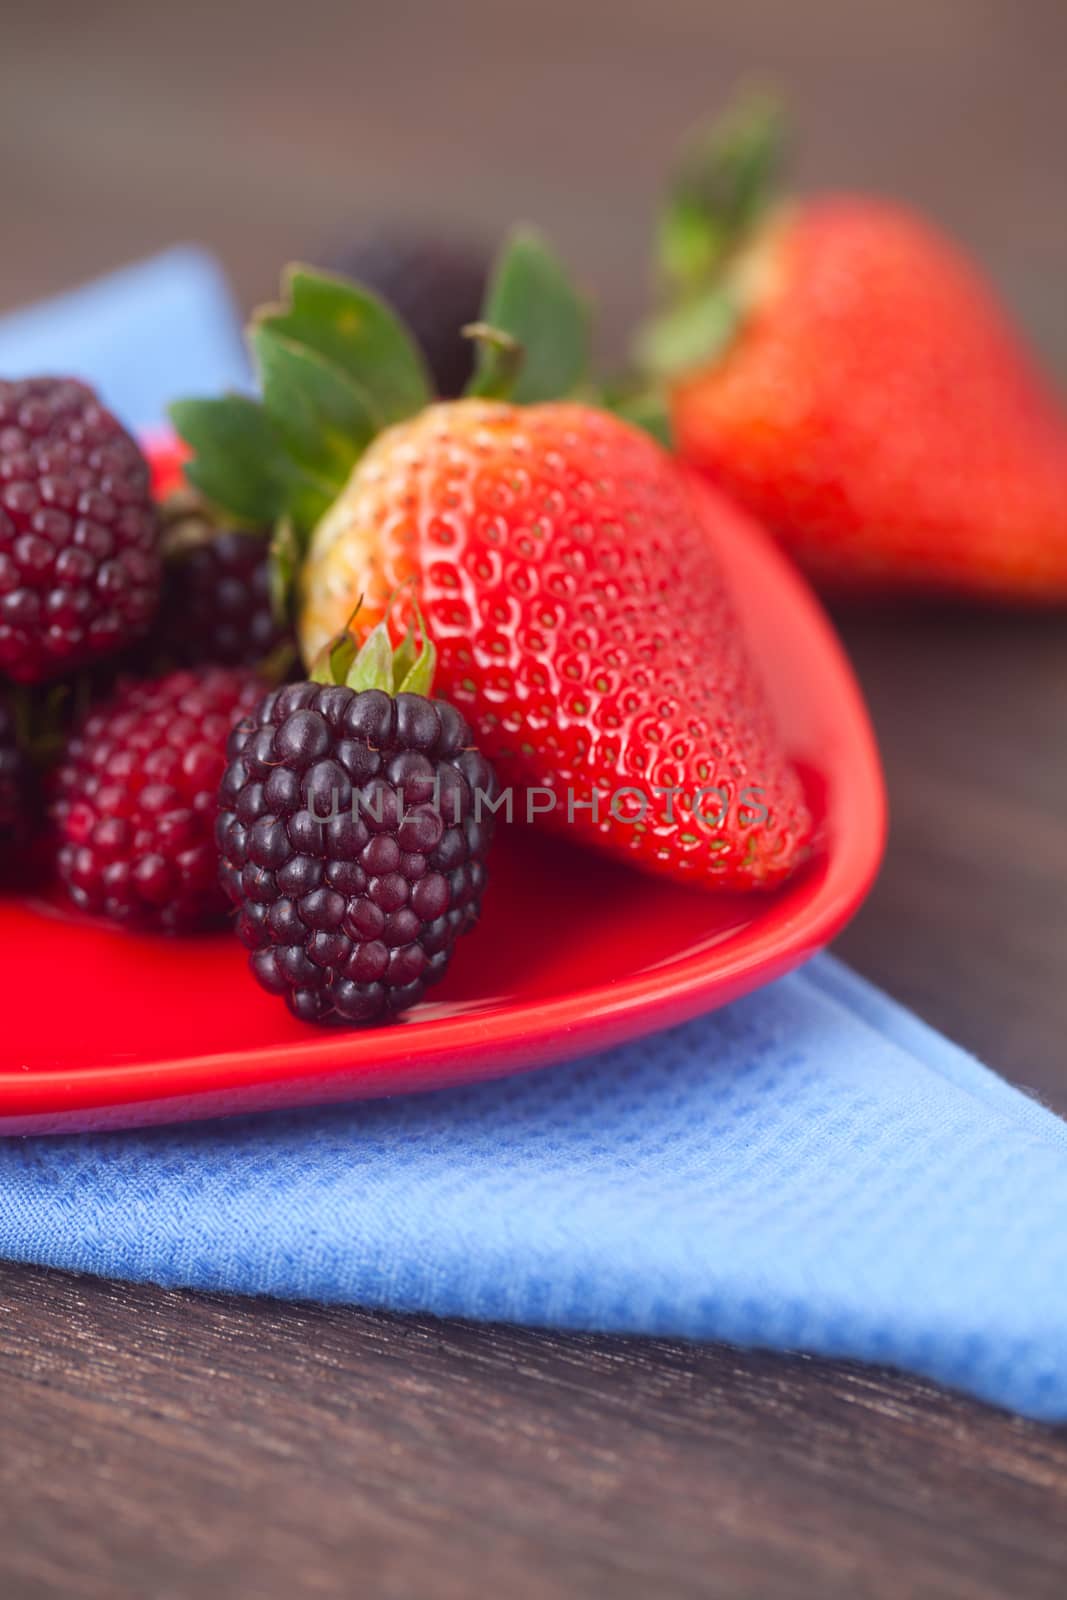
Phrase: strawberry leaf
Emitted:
{"points": [[727, 176], [356, 331], [532, 299], [323, 419], [236, 456]]}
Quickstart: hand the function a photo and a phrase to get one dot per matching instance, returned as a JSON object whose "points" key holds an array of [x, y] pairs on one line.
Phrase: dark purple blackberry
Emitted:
{"points": [[353, 833], [217, 606], [436, 286], [16, 783], [80, 569]]}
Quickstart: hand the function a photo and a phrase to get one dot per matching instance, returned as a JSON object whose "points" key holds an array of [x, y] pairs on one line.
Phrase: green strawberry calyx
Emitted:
{"points": [[727, 179], [727, 174], [336, 367], [408, 668]]}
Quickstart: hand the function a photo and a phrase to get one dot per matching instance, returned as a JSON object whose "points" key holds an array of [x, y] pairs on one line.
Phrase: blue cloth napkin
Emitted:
{"points": [[810, 1169], [142, 336]]}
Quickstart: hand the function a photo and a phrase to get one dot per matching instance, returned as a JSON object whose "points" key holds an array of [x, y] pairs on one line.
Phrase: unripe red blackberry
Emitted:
{"points": [[353, 830], [80, 569], [135, 799], [16, 782]]}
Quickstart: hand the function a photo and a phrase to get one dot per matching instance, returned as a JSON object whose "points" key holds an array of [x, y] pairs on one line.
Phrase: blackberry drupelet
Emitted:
{"points": [[135, 799], [80, 569], [435, 285], [353, 841]]}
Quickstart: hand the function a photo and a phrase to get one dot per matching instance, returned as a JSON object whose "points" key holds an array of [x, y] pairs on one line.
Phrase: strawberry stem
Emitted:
{"points": [[502, 359]]}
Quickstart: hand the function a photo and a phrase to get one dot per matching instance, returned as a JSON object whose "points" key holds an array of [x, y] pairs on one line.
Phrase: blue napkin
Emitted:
{"points": [[810, 1169], [142, 336]]}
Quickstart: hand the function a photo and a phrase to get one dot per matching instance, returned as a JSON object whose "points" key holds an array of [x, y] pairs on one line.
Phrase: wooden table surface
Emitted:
{"points": [[169, 1445]]}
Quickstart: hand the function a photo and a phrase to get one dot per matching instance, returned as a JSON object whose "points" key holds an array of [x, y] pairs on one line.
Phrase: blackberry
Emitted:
{"points": [[353, 833], [436, 286], [135, 799], [80, 569], [16, 782], [217, 603]]}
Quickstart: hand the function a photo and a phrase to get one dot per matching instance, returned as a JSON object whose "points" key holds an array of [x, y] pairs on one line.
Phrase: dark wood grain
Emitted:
{"points": [[180, 1444], [968, 922], [171, 1445]]}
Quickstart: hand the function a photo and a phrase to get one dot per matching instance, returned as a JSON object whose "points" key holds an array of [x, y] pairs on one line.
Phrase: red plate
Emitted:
{"points": [[110, 1029]]}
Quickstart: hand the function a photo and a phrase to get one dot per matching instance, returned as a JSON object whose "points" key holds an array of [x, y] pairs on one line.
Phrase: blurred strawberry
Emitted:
{"points": [[167, 456], [843, 370]]}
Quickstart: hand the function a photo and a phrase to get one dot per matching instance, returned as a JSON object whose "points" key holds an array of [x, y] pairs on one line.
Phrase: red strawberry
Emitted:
{"points": [[582, 627], [563, 564], [167, 457], [844, 371]]}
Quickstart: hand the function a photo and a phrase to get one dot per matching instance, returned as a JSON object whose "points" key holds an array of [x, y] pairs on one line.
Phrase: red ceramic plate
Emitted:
{"points": [[573, 954]]}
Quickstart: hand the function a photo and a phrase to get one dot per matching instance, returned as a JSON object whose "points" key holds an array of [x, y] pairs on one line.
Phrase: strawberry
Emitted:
{"points": [[840, 368], [562, 560], [166, 458]]}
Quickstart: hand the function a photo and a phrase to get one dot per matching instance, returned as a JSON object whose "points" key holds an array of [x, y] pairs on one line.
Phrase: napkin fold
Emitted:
{"points": [[810, 1169]]}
